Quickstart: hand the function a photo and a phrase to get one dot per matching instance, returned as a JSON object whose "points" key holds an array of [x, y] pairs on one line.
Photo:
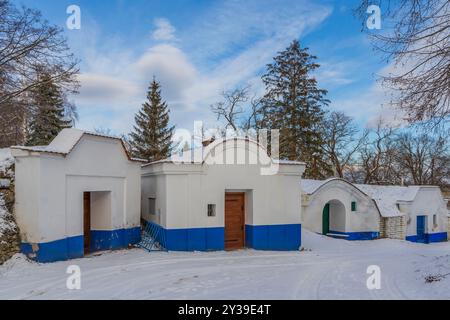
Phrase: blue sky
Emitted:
{"points": [[199, 48]]}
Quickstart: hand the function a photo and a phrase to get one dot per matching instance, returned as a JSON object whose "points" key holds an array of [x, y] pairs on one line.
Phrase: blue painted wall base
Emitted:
{"points": [[116, 239], [73, 247], [271, 237], [58, 250], [354, 236], [429, 237], [194, 239]]}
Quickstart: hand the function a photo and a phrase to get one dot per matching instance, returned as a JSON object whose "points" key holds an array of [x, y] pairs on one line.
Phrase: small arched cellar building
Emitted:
{"points": [[338, 208]]}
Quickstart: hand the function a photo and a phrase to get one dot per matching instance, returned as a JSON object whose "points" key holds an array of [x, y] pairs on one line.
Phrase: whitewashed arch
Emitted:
{"points": [[366, 217], [236, 151]]}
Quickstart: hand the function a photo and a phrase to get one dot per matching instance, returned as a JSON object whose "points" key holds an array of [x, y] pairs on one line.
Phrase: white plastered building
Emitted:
{"points": [[414, 213], [227, 195], [339, 208], [79, 194]]}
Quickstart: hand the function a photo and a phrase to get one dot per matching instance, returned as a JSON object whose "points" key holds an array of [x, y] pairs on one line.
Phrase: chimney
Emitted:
{"points": [[207, 142]]}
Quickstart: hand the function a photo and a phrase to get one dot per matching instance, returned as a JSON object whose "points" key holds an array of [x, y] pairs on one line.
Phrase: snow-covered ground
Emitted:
{"points": [[326, 269]]}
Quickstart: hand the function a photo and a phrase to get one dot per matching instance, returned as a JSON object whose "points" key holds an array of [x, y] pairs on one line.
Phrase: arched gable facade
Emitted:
{"points": [[196, 203], [336, 207]]}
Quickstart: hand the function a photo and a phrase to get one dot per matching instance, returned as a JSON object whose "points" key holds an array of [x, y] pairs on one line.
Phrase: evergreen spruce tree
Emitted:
{"points": [[294, 104], [151, 139], [49, 115]]}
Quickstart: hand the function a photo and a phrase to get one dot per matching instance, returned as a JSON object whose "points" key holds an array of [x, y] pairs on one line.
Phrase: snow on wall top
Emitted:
{"points": [[66, 140], [310, 186]]}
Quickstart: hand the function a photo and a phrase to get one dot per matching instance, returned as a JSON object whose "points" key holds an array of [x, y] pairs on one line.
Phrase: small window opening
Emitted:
{"points": [[211, 210]]}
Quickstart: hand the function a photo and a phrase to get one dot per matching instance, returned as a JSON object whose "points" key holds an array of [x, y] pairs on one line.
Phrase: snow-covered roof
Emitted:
{"points": [[309, 186], [67, 139], [385, 197]]}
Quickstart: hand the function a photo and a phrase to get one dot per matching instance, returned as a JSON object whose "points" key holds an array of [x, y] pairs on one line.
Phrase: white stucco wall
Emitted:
{"points": [[154, 186], [183, 191], [428, 202], [49, 189], [27, 197], [364, 219]]}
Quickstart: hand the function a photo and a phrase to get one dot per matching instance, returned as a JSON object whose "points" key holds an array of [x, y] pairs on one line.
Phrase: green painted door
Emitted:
{"points": [[326, 219]]}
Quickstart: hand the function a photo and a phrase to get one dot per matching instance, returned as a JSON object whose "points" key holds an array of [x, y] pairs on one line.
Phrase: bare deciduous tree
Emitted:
{"points": [[29, 46], [341, 141], [231, 107], [402, 156], [13, 123], [376, 158], [415, 35], [425, 159], [252, 121]]}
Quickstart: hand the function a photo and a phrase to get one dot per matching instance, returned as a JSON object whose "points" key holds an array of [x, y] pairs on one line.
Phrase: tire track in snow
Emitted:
{"points": [[101, 274]]}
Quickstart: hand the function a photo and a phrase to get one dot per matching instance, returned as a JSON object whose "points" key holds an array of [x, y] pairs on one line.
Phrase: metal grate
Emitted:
{"points": [[153, 238]]}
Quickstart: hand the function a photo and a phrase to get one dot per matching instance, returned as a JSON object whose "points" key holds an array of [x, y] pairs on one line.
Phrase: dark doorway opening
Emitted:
{"points": [[87, 222], [326, 219]]}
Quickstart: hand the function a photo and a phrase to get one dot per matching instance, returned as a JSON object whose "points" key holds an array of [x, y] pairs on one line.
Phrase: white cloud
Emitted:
{"points": [[334, 74], [370, 105], [164, 31], [115, 81], [170, 66], [241, 24], [105, 89], [378, 100], [111, 95], [275, 29]]}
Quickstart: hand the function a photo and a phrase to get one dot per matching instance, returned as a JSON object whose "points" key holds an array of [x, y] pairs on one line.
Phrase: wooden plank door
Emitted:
{"points": [[234, 221], [87, 221], [326, 219]]}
